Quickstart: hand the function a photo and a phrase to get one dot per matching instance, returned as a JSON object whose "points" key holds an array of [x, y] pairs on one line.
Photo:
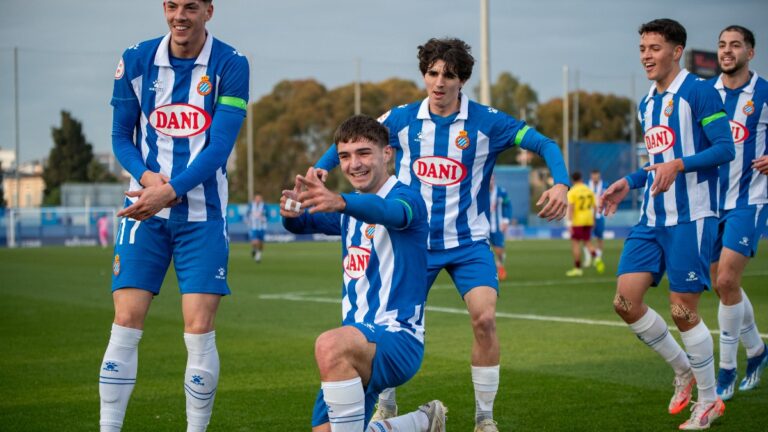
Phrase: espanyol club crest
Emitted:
{"points": [[438, 170], [669, 108], [749, 108], [739, 131], [462, 141], [180, 120], [120, 69], [356, 262], [116, 265], [659, 139], [370, 230], [204, 87]]}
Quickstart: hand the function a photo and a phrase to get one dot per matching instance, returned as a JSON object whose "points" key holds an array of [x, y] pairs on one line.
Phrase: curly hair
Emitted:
{"points": [[454, 52]]}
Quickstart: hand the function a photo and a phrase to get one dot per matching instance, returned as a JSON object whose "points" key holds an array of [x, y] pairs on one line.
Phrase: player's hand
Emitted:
{"points": [[321, 174], [610, 199], [665, 174], [555, 201], [150, 201], [287, 208], [316, 196], [761, 164], [151, 178]]}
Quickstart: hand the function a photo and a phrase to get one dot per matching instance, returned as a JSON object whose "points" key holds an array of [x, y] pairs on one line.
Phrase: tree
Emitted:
{"points": [[70, 158], [517, 99], [294, 125]]}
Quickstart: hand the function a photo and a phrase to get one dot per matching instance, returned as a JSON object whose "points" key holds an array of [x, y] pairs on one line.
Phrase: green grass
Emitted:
{"points": [[555, 375]]}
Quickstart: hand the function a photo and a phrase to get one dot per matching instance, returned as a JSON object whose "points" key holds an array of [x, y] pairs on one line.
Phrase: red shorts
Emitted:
{"points": [[581, 232]]}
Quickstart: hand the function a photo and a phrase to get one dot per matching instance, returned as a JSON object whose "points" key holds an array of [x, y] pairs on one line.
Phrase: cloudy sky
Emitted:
{"points": [[68, 50]]}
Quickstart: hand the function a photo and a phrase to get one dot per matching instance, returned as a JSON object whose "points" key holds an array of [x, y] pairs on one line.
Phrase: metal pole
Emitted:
{"points": [[357, 86], [16, 122], [485, 80], [249, 132], [576, 106], [565, 116], [633, 133]]}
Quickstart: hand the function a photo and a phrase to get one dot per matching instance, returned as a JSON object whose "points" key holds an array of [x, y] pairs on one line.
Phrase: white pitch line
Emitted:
{"points": [[300, 296]]}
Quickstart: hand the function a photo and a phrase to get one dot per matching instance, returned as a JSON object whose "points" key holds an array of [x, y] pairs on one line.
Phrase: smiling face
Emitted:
{"points": [[186, 20], [364, 164], [443, 88], [660, 59], [733, 53]]}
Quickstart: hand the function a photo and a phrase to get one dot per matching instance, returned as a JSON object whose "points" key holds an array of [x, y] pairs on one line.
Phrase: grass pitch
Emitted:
{"points": [[568, 363]]}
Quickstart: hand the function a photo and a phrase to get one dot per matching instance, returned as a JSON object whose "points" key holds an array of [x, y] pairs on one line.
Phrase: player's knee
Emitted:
{"points": [[726, 283], [328, 350], [130, 319], [682, 313], [622, 305], [484, 323]]}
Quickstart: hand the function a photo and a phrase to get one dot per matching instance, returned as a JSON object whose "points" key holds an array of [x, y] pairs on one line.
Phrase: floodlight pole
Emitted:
{"points": [[249, 131], [565, 116], [485, 81], [16, 122], [357, 86]]}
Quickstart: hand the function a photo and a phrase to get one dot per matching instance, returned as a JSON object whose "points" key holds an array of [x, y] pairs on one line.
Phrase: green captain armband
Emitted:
{"points": [[233, 102], [520, 134], [707, 120]]}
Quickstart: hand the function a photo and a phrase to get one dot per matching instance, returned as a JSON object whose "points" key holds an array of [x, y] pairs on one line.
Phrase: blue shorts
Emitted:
{"points": [[469, 266], [497, 239], [143, 251], [740, 229], [256, 235], [599, 228], [683, 251], [398, 357]]}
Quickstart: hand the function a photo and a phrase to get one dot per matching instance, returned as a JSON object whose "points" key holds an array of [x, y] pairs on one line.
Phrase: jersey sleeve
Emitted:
{"points": [[395, 212], [228, 116], [530, 139], [125, 115], [306, 223], [708, 110]]}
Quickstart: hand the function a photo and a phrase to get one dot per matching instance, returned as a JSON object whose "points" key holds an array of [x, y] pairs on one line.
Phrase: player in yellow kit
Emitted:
{"points": [[581, 217]]}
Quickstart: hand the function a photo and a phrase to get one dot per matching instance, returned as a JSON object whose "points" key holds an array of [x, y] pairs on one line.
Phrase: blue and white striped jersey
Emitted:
{"points": [[178, 101], [384, 268], [450, 161], [747, 109], [257, 217], [673, 123], [501, 208], [597, 189]]}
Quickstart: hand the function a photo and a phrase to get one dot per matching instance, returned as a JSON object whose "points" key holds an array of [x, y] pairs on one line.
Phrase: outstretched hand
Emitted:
{"points": [[665, 174], [555, 201], [316, 196], [610, 199]]}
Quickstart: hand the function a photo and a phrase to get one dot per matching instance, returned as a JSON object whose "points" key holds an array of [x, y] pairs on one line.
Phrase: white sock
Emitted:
{"points": [[730, 319], [599, 253], [387, 398], [200, 379], [346, 404], [700, 347], [416, 421], [750, 336], [117, 376], [652, 330], [486, 382]]}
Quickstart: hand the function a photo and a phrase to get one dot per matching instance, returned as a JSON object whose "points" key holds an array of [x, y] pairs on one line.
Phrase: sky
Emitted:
{"points": [[68, 50]]}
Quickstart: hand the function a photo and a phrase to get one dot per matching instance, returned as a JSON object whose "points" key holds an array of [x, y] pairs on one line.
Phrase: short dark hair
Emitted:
{"points": [[749, 37], [576, 176], [671, 30], [362, 127], [454, 52]]}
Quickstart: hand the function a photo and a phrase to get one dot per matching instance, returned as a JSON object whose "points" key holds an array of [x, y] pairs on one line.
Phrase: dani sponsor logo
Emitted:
{"points": [[439, 171], [659, 139], [180, 120]]}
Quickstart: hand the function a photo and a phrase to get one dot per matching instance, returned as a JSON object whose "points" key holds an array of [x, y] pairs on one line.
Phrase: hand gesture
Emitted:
{"points": [[555, 201], [610, 199], [151, 200], [761, 164], [316, 196], [290, 207], [665, 174]]}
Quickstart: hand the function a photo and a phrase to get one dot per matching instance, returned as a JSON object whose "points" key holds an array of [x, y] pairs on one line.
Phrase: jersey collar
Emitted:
{"points": [[674, 87], [384, 190], [162, 56], [749, 88], [423, 113]]}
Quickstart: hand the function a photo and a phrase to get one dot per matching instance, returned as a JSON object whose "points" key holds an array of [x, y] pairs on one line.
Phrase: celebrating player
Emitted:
{"points": [[500, 213], [384, 231], [446, 148], [183, 96], [687, 137], [257, 224], [581, 215], [743, 209]]}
